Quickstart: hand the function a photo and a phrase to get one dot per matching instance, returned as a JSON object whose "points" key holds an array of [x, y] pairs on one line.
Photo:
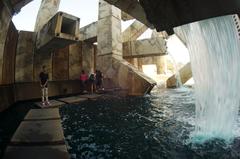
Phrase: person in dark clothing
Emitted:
{"points": [[99, 79], [91, 81], [43, 77]]}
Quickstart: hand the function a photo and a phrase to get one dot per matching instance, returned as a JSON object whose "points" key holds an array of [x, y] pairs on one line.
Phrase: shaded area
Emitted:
{"points": [[156, 126], [10, 120]]}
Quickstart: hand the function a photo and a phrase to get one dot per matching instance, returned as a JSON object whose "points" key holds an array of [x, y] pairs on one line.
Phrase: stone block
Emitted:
{"points": [[73, 99], [60, 31], [89, 33]]}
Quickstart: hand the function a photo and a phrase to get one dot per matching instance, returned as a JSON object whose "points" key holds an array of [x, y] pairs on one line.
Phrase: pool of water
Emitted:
{"points": [[156, 126]]}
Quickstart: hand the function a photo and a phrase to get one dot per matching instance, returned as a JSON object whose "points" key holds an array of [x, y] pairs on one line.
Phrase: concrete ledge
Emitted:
{"points": [[37, 152], [74, 99]]}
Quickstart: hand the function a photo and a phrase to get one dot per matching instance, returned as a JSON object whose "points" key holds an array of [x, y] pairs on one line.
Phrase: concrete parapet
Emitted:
{"points": [[144, 48], [185, 74], [60, 31]]}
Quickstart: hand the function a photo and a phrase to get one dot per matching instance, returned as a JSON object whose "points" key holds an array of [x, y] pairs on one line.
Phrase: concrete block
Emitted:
{"points": [[89, 33], [42, 114], [60, 31], [73, 99]]}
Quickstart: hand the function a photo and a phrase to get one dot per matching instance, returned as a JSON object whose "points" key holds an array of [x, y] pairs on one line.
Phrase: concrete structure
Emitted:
{"points": [[185, 74], [133, 31], [126, 17], [144, 48], [109, 57], [60, 31], [89, 33], [47, 10]]}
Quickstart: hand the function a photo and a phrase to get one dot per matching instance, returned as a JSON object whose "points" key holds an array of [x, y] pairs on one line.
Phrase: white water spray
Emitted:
{"points": [[215, 54]]}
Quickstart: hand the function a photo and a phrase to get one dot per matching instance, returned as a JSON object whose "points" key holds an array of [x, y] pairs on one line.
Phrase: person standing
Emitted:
{"points": [[43, 77], [83, 79], [99, 79], [91, 81]]}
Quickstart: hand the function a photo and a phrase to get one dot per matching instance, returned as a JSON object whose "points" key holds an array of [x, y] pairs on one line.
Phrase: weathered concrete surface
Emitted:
{"points": [[133, 31], [133, 8], [42, 114], [88, 57], [75, 60], [5, 19], [185, 74], [24, 57], [8, 69], [37, 152], [60, 31], [39, 132], [60, 59], [162, 34], [55, 88], [89, 33], [144, 48], [126, 17], [47, 10], [109, 59]]}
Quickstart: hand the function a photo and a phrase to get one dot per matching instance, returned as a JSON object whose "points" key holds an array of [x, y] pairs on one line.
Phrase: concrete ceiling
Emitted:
{"points": [[166, 14]]}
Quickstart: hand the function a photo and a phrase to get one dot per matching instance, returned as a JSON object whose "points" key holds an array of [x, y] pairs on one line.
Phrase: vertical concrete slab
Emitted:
{"points": [[60, 64], [47, 10], [75, 61], [5, 19], [24, 57], [9, 55], [88, 59]]}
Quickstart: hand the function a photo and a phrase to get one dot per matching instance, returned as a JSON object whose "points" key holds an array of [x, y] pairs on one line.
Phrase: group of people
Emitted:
{"points": [[94, 80]]}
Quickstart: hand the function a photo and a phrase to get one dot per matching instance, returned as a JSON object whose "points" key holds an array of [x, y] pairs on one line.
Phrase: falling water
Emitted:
{"points": [[214, 52]]}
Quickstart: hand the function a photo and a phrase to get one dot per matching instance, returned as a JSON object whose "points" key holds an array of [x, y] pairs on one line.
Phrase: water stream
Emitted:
{"points": [[214, 52]]}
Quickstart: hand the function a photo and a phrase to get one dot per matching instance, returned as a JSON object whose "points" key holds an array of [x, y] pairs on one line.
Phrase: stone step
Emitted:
{"points": [[37, 152], [53, 104], [42, 114], [38, 133]]}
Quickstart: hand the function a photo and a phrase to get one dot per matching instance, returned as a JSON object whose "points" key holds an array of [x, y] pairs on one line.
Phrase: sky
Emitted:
{"points": [[87, 11]]}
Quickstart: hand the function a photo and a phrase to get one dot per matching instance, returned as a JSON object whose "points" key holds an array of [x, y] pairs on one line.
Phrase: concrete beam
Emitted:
{"points": [[134, 31], [60, 31], [144, 48], [133, 8], [89, 33], [185, 74], [126, 17]]}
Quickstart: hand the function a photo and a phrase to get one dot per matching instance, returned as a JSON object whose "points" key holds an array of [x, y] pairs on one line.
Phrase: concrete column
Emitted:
{"points": [[47, 10], [5, 19], [109, 57]]}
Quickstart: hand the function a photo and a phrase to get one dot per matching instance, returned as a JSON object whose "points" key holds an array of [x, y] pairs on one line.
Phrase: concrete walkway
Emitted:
{"points": [[39, 136]]}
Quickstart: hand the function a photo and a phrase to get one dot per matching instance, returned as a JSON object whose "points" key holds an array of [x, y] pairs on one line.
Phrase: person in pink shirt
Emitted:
{"points": [[83, 79]]}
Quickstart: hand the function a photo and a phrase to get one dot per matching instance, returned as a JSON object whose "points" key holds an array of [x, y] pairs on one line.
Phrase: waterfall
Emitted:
{"points": [[215, 58]]}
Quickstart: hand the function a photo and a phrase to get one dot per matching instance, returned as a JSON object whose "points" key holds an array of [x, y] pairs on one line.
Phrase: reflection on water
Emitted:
{"points": [[156, 126]]}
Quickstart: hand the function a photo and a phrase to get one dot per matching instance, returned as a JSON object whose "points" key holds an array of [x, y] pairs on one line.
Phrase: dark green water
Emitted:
{"points": [[152, 127]]}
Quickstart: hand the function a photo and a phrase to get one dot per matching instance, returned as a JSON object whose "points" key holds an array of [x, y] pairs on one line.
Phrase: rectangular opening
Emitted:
{"points": [[68, 26]]}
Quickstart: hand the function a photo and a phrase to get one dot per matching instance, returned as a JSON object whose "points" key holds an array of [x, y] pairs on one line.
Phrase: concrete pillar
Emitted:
{"points": [[47, 10], [5, 19], [109, 30], [109, 57]]}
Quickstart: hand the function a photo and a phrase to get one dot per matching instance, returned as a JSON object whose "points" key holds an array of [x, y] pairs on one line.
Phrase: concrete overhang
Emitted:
{"points": [[60, 31], [167, 14]]}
